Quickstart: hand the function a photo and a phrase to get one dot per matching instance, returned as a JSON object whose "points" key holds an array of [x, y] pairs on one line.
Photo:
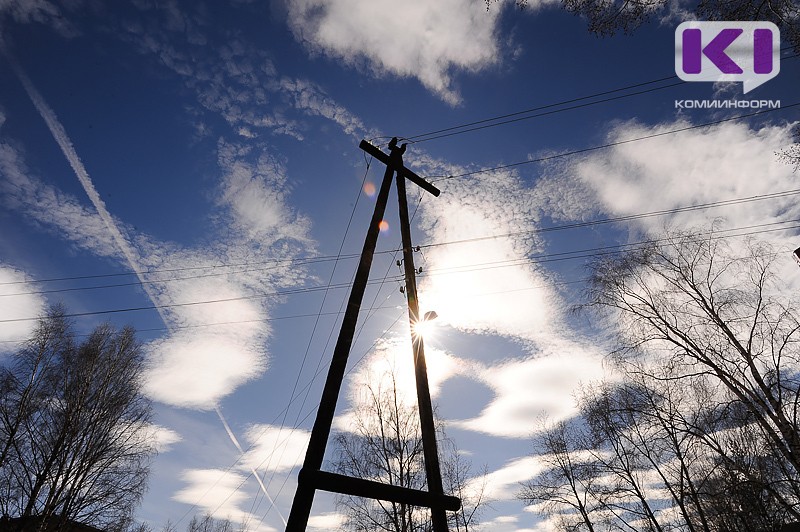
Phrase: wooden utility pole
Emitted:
{"points": [[429, 450], [311, 476]]}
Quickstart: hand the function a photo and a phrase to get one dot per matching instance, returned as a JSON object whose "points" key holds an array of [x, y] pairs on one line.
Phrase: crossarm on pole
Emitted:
{"points": [[403, 171]]}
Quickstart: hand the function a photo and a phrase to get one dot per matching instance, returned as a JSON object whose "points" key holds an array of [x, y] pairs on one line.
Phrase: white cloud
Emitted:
{"points": [[255, 189], [528, 391], [197, 369], [257, 221], [239, 83], [505, 523], [163, 437], [426, 40], [50, 207], [480, 284], [15, 281], [218, 493], [722, 162], [505, 482], [270, 449], [310, 98], [274, 448], [327, 521], [392, 359]]}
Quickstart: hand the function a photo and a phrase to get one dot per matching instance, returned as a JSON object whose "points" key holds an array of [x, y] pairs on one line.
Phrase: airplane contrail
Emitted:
{"points": [[252, 469], [63, 141]]}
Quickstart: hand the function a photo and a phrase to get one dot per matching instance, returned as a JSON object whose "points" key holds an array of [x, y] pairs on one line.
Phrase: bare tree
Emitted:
{"points": [[700, 430], [385, 445], [711, 310], [714, 313], [207, 523], [567, 487], [75, 444], [791, 154], [609, 17]]}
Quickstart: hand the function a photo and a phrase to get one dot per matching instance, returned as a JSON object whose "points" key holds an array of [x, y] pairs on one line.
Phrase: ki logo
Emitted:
{"points": [[728, 51]]}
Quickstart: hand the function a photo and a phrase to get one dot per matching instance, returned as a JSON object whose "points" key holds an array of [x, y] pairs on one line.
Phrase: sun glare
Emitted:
{"points": [[425, 326]]}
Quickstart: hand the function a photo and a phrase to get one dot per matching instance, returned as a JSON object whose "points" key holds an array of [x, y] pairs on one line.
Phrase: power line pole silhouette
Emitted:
{"points": [[311, 476]]}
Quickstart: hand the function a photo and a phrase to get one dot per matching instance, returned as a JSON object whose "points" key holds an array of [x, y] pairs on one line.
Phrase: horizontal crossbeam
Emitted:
{"points": [[403, 171], [370, 489]]}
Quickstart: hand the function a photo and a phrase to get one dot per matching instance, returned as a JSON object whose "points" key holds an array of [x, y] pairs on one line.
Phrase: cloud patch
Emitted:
{"points": [[15, 281], [477, 274], [730, 160], [274, 448], [217, 492], [527, 391], [425, 40]]}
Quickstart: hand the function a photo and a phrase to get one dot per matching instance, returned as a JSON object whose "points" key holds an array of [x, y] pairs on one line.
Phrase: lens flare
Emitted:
{"points": [[369, 189], [423, 328], [383, 226]]}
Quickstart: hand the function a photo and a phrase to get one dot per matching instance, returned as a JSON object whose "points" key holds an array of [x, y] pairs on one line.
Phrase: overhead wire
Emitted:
{"points": [[539, 230], [515, 116], [274, 263], [611, 144], [276, 293], [542, 258]]}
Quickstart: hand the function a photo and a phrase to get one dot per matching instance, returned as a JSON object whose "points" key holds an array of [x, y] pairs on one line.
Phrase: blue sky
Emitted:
{"points": [[164, 156]]}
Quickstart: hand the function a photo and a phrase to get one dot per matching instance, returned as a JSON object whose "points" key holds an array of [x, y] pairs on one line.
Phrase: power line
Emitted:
{"points": [[304, 290], [537, 259], [625, 218], [612, 144], [546, 113], [721, 203], [515, 116], [311, 260], [421, 137], [274, 262]]}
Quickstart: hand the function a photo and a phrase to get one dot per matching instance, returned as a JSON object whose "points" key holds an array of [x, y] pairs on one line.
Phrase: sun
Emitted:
{"points": [[425, 327]]}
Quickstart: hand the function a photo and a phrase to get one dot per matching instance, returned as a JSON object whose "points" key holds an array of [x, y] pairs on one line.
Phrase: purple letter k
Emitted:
{"points": [[715, 51]]}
